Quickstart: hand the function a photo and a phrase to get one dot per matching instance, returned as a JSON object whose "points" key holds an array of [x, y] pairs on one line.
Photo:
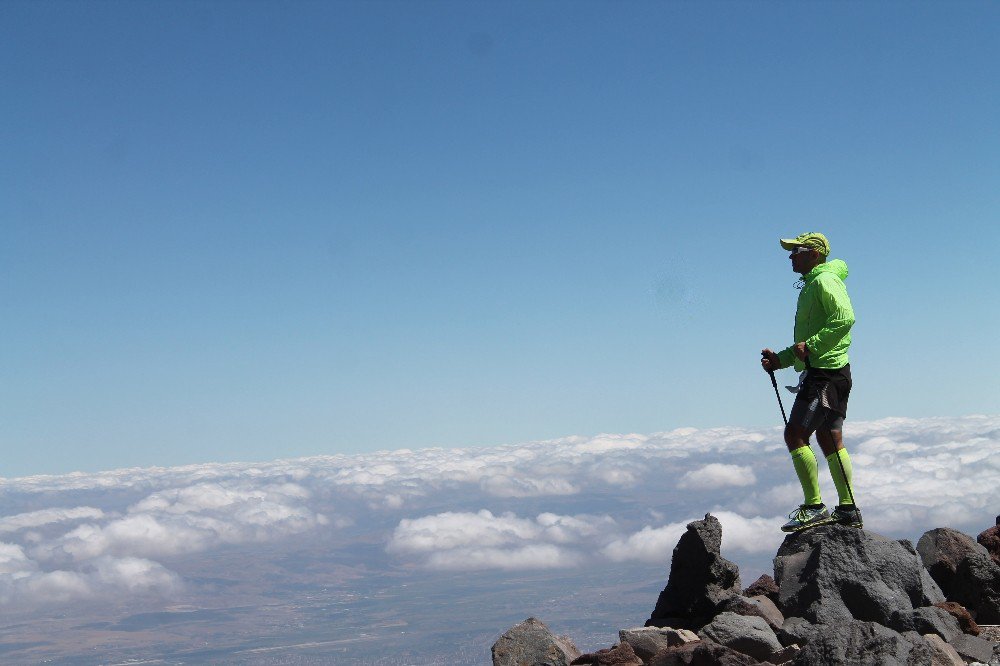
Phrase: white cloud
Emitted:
{"points": [[104, 577], [910, 475], [647, 545], [718, 475], [749, 535], [516, 486], [34, 519], [482, 540], [538, 556]]}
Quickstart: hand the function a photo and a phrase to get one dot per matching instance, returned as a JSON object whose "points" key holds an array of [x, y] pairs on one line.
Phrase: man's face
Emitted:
{"points": [[803, 259]]}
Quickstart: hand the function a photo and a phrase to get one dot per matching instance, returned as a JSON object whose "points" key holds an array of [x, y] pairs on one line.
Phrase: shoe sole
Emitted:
{"points": [[825, 521]]}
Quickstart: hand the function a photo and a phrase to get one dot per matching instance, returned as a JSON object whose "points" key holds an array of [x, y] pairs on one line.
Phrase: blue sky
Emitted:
{"points": [[243, 231]]}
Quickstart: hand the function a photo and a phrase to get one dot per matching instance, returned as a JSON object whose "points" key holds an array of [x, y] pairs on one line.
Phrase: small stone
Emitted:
{"points": [[750, 635], [959, 612], [647, 641], [759, 606], [619, 655], [702, 653], [942, 654], [763, 586], [973, 648]]}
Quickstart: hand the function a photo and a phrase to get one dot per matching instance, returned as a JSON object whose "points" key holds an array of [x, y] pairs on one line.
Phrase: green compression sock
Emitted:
{"points": [[838, 474], [808, 473]]}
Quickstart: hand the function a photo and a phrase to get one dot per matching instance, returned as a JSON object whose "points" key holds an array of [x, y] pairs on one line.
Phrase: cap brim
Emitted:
{"points": [[789, 243]]}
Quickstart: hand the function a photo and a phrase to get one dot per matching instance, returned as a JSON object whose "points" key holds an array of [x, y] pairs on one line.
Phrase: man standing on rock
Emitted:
{"points": [[823, 320]]}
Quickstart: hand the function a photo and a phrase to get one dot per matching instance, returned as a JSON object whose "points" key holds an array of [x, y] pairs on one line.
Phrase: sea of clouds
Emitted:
{"points": [[557, 504]]}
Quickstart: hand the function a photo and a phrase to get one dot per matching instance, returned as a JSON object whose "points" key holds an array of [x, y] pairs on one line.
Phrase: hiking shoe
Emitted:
{"points": [[847, 514], [806, 516]]}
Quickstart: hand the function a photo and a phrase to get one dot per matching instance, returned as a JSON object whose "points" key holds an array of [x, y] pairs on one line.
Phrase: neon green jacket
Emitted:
{"points": [[823, 319]]}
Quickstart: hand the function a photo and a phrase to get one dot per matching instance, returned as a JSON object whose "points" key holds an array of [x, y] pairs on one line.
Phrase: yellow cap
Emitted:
{"points": [[812, 240]]}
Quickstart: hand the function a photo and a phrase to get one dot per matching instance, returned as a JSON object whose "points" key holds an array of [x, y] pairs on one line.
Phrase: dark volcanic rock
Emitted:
{"points": [[750, 635], [942, 551], [964, 570], [990, 540], [619, 655], [862, 644], [832, 574], [702, 653], [959, 612], [530, 643], [763, 587], [700, 578]]}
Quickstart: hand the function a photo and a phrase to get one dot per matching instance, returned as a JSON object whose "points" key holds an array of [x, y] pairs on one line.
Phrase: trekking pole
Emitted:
{"points": [[774, 383]]}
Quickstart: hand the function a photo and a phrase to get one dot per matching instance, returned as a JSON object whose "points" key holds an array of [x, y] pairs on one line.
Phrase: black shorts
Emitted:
{"points": [[821, 403]]}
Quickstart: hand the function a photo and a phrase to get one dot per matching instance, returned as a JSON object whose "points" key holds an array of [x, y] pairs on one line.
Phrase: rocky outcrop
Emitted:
{"points": [[964, 571], [700, 578], [833, 573], [843, 596], [530, 643]]}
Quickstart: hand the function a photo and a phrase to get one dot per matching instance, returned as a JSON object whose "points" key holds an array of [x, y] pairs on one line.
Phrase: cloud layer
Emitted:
{"points": [[561, 503]]}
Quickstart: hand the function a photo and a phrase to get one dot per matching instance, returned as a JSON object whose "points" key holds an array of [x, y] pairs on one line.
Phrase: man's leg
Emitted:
{"points": [[832, 444], [804, 461]]}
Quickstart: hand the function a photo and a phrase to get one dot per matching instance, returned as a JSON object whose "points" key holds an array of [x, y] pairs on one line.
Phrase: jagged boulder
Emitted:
{"points": [[750, 635], [619, 655], [531, 642], [833, 573], [700, 578], [763, 587], [863, 644], [964, 571], [647, 641]]}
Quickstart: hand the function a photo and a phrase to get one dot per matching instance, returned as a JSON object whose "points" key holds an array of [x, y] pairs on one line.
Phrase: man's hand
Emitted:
{"points": [[801, 351], [769, 360]]}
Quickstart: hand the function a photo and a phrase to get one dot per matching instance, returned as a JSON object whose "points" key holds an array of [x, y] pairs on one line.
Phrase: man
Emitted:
{"points": [[823, 320]]}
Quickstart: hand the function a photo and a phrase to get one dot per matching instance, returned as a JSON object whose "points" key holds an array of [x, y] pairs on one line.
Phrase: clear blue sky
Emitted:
{"points": [[243, 231]]}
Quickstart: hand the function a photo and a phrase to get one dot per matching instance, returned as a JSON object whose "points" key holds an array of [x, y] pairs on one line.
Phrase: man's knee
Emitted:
{"points": [[796, 436], [830, 441]]}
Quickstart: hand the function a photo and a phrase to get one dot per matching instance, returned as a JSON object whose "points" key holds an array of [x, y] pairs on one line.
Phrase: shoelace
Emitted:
{"points": [[798, 514]]}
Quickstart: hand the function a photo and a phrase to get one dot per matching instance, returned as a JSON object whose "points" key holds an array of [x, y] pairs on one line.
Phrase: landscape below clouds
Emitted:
{"points": [[427, 555]]}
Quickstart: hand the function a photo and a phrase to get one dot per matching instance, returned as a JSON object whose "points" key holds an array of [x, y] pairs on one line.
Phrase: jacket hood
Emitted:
{"points": [[836, 266]]}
